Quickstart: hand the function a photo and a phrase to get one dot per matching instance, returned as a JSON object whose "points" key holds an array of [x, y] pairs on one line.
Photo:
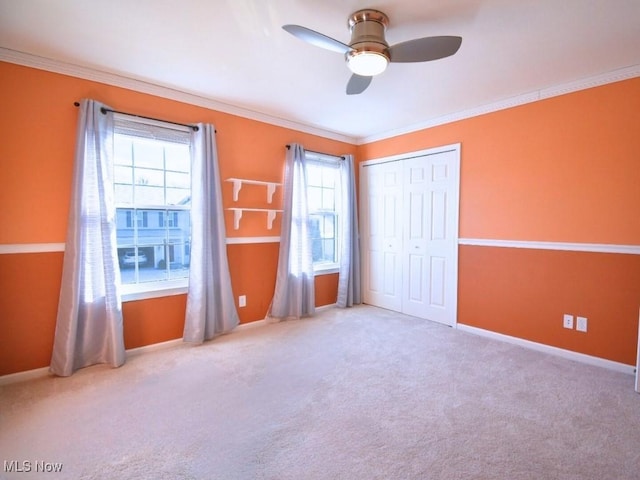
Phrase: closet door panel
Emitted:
{"points": [[442, 241], [381, 191], [409, 212], [416, 229]]}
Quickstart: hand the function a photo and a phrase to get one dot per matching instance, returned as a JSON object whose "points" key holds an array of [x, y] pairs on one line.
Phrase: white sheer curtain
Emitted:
{"points": [[294, 295], [349, 292], [89, 321], [211, 308]]}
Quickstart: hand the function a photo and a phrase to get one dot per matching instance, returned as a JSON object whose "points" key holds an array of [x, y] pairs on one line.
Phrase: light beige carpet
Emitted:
{"points": [[361, 393]]}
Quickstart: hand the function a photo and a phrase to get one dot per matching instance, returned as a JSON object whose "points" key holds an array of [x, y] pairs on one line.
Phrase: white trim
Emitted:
{"points": [[613, 76], [326, 307], [420, 153], [326, 271], [42, 63], [24, 376], [44, 371], [132, 352], [476, 242], [560, 352], [13, 248], [256, 323], [248, 240], [153, 293], [570, 247], [31, 248]]}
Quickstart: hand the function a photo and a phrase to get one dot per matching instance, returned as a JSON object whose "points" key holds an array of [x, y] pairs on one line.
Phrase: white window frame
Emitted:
{"points": [[321, 159], [160, 288]]}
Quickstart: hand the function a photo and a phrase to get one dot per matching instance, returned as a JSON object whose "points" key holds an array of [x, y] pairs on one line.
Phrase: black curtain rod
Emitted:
{"points": [[318, 153], [104, 110]]}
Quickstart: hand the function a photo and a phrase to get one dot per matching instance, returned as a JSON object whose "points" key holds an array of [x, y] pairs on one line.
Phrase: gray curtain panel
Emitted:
{"points": [[349, 292], [211, 308], [89, 322], [294, 295]]}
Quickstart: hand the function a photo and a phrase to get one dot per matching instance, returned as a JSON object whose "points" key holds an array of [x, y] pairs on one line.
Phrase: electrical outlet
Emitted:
{"points": [[581, 324], [242, 301], [567, 321]]}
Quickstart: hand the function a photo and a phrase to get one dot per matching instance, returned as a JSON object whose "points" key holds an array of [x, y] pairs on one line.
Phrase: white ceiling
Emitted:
{"points": [[235, 52]]}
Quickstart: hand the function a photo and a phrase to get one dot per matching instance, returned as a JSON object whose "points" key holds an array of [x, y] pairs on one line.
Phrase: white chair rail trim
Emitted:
{"points": [[477, 242], [564, 246], [17, 248]]}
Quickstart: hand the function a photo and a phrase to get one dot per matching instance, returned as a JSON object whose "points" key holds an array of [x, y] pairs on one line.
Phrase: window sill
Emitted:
{"points": [[132, 293], [326, 270]]}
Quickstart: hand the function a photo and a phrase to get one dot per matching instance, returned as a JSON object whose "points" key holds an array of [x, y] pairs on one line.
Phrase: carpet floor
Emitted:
{"points": [[361, 393]]}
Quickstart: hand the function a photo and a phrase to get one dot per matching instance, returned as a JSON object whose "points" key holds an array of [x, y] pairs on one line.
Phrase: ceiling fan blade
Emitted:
{"points": [[424, 49], [316, 38], [358, 84]]}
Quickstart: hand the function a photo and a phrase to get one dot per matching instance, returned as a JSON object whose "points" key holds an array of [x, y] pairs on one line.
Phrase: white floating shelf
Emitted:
{"points": [[238, 182], [237, 215]]}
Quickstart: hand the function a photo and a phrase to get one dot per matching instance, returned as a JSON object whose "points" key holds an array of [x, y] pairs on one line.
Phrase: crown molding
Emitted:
{"points": [[86, 73], [42, 63], [613, 76]]}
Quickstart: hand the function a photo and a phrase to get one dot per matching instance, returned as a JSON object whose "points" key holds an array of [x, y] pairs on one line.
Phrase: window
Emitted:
{"points": [[152, 191], [324, 196]]}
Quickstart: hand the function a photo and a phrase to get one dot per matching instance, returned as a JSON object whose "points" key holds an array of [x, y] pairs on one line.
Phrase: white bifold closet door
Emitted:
{"points": [[409, 216]]}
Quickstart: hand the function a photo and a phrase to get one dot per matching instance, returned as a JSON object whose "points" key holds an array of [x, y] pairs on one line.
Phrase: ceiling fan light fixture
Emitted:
{"points": [[367, 63], [368, 52]]}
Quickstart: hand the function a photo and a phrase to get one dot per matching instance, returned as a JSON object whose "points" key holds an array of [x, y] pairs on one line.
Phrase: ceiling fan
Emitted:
{"points": [[368, 53]]}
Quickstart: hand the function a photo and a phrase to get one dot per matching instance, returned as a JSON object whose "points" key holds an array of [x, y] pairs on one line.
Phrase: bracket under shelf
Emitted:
{"points": [[237, 215], [237, 186]]}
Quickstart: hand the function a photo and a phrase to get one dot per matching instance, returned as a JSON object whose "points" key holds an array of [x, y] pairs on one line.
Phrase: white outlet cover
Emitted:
{"points": [[581, 324], [567, 321], [242, 301]]}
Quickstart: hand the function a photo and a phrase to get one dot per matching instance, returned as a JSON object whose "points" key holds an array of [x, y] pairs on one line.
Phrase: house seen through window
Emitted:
{"points": [[152, 183]]}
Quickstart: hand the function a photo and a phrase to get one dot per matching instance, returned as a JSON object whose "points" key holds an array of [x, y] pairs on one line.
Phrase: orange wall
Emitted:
{"points": [[563, 169], [28, 305], [560, 170], [524, 293], [38, 122]]}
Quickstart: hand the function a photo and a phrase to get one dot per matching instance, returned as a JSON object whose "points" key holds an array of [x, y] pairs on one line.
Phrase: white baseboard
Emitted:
{"points": [[44, 371], [325, 307], [153, 347], [560, 352], [24, 376]]}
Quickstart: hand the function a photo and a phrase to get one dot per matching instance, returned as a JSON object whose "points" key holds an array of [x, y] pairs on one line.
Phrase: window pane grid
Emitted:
{"points": [[153, 192], [142, 177], [323, 180]]}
